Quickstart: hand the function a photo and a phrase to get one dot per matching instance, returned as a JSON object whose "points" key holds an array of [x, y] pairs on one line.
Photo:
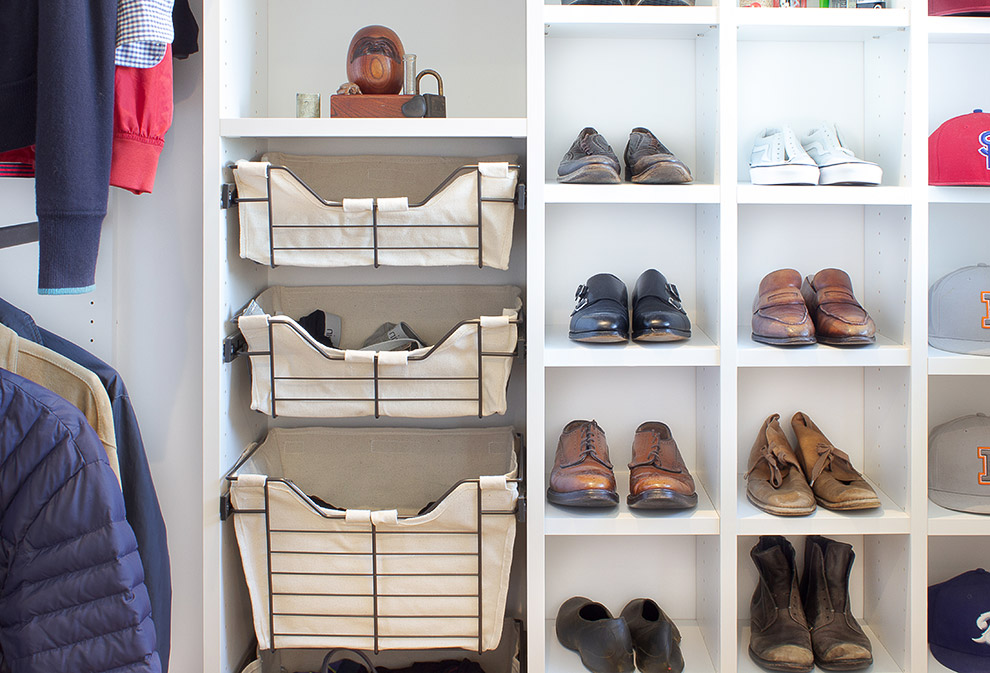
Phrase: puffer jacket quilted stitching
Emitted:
{"points": [[72, 594]]}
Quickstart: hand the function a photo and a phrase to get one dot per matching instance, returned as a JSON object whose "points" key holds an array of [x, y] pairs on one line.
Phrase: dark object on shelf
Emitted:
{"points": [[835, 482], [780, 639], [427, 105], [839, 319], [590, 160], [601, 314], [837, 639], [649, 162], [775, 480], [657, 314], [374, 60], [186, 29], [582, 474], [959, 311], [658, 477], [958, 626], [780, 315], [956, 451], [656, 639], [959, 151], [352, 665], [603, 641]]}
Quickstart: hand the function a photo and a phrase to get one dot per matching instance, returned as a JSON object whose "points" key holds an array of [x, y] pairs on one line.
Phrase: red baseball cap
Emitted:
{"points": [[949, 7], [959, 151]]}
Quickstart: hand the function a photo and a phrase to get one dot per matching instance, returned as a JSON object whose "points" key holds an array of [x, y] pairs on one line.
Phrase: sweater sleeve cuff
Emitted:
{"points": [[135, 162], [68, 246]]}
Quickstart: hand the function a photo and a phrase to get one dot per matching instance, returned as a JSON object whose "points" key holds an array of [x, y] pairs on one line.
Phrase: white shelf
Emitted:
{"points": [[697, 658], [698, 351], [943, 521], [702, 520], [261, 127], [888, 519], [627, 192], [958, 194], [959, 29], [945, 363], [602, 21], [837, 195], [884, 353], [818, 25], [882, 661]]}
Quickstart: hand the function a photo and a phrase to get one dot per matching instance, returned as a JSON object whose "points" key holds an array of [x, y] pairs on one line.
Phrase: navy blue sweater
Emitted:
{"points": [[56, 92]]}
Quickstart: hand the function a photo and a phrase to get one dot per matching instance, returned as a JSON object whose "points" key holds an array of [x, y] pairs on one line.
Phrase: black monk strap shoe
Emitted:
{"points": [[601, 314], [657, 311]]}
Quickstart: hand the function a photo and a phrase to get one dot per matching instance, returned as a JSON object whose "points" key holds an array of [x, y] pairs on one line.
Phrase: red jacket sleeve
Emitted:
{"points": [[142, 114]]}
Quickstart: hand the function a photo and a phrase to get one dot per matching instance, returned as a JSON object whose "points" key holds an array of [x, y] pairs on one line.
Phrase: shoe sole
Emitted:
{"points": [[854, 665], [663, 173], [664, 3], [777, 666], [662, 335], [798, 174], [847, 341], [591, 498], [865, 503], [853, 173], [662, 498], [784, 341], [779, 511], [592, 174], [605, 337]]}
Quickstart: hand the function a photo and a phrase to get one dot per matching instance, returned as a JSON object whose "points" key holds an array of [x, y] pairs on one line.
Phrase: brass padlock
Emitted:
{"points": [[427, 105]]}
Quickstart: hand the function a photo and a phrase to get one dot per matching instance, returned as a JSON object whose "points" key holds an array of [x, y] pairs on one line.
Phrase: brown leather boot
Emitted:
{"points": [[775, 482], [779, 639], [780, 316], [839, 319], [582, 474], [658, 477], [837, 639], [836, 484]]}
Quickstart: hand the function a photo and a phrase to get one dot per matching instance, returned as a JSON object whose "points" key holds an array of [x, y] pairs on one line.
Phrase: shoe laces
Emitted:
{"points": [[775, 460], [589, 447], [826, 455], [654, 458]]}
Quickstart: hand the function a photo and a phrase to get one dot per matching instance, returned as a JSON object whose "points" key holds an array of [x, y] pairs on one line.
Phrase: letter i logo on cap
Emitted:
{"points": [[985, 297], [984, 478]]}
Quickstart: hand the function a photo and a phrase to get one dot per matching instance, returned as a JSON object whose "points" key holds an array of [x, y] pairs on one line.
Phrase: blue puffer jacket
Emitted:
{"points": [[72, 594]]}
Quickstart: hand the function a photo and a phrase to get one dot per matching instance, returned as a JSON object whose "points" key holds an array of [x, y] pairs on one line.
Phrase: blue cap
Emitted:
{"points": [[959, 622]]}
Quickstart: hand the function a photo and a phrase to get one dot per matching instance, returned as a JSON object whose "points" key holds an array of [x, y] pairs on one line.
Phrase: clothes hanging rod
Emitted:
{"points": [[18, 234]]}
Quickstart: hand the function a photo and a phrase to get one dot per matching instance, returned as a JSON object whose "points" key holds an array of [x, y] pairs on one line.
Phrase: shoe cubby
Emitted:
{"points": [[870, 243], [863, 411], [620, 399], [679, 240], [680, 573], [878, 591]]}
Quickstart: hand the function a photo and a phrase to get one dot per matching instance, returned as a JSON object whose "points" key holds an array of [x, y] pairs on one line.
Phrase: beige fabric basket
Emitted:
{"points": [[427, 589], [321, 210], [441, 380]]}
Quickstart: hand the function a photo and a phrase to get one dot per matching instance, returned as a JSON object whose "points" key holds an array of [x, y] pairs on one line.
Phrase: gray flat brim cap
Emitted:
{"points": [[958, 319], [958, 458]]}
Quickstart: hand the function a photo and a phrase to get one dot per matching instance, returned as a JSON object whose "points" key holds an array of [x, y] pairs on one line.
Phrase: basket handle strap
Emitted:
{"points": [[325, 668], [494, 169]]}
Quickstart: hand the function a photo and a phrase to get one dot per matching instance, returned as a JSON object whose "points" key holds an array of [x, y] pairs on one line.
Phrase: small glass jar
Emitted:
{"points": [[409, 74], [308, 105]]}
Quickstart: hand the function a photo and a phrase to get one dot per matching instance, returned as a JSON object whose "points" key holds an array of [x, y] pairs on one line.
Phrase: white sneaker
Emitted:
{"points": [[838, 165], [779, 159]]}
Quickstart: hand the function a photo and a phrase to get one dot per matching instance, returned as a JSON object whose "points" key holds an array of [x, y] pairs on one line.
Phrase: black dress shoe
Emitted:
{"points": [[649, 162], [590, 160], [604, 642], [657, 311], [655, 638], [602, 311]]}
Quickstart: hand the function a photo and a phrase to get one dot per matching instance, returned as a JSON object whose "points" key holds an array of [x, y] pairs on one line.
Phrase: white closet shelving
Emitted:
{"points": [[524, 77]]}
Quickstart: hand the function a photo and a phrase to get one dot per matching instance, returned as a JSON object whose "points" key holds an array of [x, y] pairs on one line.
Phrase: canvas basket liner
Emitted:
{"points": [[395, 184], [304, 372], [433, 557]]}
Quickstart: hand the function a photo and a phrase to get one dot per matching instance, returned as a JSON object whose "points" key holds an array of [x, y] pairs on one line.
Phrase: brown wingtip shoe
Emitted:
{"points": [[836, 484], [775, 481], [658, 477], [582, 474], [839, 319], [780, 315]]}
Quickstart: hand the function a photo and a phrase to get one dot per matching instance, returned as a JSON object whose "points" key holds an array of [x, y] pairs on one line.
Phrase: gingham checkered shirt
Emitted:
{"points": [[144, 30]]}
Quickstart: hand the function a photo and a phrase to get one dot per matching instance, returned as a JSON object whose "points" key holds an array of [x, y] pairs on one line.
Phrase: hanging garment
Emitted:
{"points": [[65, 378], [144, 30], [73, 596], [186, 30], [140, 499], [56, 74]]}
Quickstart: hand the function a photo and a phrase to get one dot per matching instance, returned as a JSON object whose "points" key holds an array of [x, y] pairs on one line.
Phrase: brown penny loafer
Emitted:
{"points": [[775, 481], [839, 319], [582, 474], [836, 484], [780, 315], [658, 477]]}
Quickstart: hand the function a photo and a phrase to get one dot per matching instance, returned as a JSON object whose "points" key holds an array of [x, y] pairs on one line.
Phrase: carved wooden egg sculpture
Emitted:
{"points": [[374, 60]]}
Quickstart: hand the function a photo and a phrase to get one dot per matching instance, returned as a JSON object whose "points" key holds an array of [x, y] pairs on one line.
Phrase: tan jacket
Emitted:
{"points": [[76, 384]]}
